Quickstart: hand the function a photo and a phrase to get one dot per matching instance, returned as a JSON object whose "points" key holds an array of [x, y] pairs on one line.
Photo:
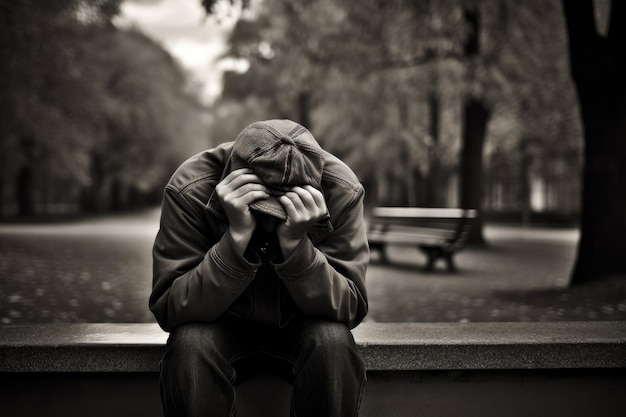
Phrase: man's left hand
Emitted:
{"points": [[304, 206]]}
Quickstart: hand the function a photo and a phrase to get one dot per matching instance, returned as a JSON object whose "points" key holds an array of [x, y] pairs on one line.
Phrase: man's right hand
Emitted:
{"points": [[236, 192]]}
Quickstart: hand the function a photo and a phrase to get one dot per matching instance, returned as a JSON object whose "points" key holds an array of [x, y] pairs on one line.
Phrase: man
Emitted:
{"points": [[260, 260]]}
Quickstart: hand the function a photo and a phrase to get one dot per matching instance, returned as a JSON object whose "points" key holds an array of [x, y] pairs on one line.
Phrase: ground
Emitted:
{"points": [[100, 271]]}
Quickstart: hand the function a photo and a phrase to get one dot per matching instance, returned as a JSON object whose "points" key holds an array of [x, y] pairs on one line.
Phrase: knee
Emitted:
{"points": [[191, 345], [189, 340], [333, 341], [329, 354]]}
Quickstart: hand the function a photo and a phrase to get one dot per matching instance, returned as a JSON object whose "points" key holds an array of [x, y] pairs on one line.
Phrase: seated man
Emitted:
{"points": [[260, 260]]}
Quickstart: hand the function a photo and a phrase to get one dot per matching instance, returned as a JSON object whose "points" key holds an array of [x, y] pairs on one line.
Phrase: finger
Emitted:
{"points": [[235, 174], [314, 200], [320, 201], [297, 202], [251, 197], [306, 197], [243, 179], [239, 181], [288, 205], [249, 187]]}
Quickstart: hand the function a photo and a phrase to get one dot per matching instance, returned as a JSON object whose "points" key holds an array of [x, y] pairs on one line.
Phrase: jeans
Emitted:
{"points": [[204, 361]]}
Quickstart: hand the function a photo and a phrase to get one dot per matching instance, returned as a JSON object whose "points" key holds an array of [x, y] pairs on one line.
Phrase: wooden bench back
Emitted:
{"points": [[423, 213]]}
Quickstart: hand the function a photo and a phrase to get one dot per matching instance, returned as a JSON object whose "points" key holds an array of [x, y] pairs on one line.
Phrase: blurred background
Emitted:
{"points": [[451, 103]]}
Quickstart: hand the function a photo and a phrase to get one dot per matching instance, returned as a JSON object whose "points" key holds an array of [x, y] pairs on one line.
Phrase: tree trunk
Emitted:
{"points": [[93, 195], [434, 182], [25, 189], [26, 177], [598, 66], [304, 109], [475, 119], [8, 48], [525, 204], [118, 196]]}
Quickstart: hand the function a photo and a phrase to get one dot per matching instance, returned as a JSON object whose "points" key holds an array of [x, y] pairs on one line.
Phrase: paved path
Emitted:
{"points": [[100, 270]]}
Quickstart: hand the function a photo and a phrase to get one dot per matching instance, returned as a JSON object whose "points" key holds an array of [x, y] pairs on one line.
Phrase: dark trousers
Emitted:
{"points": [[204, 361]]}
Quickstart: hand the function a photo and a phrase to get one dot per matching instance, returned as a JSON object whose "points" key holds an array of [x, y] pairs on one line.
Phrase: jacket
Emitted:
{"points": [[198, 275]]}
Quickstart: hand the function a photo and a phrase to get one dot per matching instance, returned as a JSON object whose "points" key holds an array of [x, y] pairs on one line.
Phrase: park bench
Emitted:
{"points": [[438, 232]]}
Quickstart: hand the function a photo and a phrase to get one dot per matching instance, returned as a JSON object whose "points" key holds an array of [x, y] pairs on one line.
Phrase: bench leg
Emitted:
{"points": [[383, 255], [433, 254], [450, 261], [381, 250]]}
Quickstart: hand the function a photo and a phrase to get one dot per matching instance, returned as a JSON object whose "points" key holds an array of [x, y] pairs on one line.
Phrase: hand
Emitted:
{"points": [[236, 192], [304, 206]]}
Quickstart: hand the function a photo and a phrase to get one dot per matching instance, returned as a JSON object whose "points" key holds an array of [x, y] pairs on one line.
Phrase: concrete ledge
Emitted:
{"points": [[138, 347], [577, 369]]}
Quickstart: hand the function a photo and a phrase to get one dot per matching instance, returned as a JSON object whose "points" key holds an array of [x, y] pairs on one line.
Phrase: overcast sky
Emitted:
{"points": [[183, 29]]}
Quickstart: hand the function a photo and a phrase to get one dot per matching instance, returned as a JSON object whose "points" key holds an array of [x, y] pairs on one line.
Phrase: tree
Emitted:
{"points": [[145, 117], [598, 65], [91, 113], [43, 119], [327, 63], [412, 94], [287, 46]]}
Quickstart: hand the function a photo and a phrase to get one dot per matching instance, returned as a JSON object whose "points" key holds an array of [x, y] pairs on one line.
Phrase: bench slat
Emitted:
{"points": [[420, 212], [383, 223], [411, 237]]}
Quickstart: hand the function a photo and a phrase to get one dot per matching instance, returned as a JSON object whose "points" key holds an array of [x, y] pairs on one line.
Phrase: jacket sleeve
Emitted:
{"points": [[327, 280], [197, 274]]}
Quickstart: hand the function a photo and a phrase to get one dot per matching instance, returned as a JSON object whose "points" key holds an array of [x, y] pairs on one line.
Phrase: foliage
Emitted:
{"points": [[376, 71], [92, 112]]}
